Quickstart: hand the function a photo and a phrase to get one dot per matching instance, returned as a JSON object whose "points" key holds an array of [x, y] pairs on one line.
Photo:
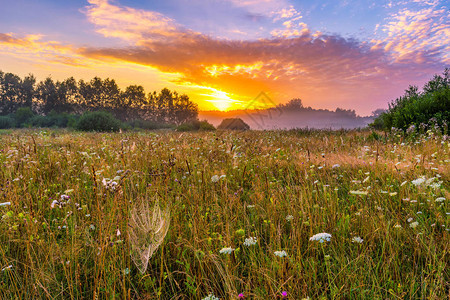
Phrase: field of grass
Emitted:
{"points": [[383, 199]]}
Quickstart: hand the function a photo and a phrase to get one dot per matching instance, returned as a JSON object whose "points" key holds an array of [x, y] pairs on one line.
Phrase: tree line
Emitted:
{"points": [[76, 97]]}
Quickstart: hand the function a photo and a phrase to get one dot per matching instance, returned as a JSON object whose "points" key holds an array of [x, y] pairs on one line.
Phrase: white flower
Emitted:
{"points": [[289, 218], [211, 297], [440, 199], [357, 239], [335, 166], [321, 237], [227, 250], [250, 241], [109, 184], [9, 203], [413, 224], [410, 220], [418, 181], [54, 203], [361, 193], [215, 178], [280, 253], [397, 226], [118, 232]]}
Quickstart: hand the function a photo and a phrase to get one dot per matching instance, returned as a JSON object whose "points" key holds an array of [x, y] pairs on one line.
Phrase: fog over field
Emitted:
{"points": [[289, 119]]}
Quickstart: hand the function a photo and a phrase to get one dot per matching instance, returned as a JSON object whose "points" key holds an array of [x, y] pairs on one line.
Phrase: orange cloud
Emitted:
{"points": [[324, 70], [34, 48]]}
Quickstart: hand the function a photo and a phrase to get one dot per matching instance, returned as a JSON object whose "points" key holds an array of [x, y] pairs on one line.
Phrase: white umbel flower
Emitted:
{"points": [[280, 253], [357, 239], [321, 237], [227, 250], [250, 241]]}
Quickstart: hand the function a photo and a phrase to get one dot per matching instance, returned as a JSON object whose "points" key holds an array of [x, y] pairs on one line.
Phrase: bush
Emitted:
{"points": [[430, 108], [6, 122], [23, 115], [233, 124], [98, 121], [150, 125], [53, 119], [195, 126]]}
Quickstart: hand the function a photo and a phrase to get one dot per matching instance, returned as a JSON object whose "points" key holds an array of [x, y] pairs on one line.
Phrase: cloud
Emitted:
{"points": [[34, 48], [294, 62], [261, 7], [417, 33], [325, 70]]}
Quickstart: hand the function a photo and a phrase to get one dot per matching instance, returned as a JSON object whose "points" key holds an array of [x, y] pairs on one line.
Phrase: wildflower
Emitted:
{"points": [[215, 178], [289, 218], [227, 250], [398, 226], [410, 220], [335, 166], [321, 237], [211, 297], [414, 224], [55, 203], [440, 199], [118, 232], [250, 241], [361, 193], [109, 184], [284, 294], [280, 253], [418, 181], [357, 239], [9, 203], [241, 296]]}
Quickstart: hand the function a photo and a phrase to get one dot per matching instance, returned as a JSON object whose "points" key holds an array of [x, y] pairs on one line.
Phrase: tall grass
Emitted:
{"points": [[279, 187]]}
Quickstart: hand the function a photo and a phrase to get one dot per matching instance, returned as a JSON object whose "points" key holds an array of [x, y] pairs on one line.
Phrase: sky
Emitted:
{"points": [[223, 53]]}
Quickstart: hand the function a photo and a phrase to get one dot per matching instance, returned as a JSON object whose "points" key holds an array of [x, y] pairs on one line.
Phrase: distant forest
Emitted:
{"points": [[76, 97]]}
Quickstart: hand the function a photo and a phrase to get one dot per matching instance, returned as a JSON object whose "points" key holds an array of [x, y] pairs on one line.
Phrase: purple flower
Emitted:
{"points": [[241, 296], [284, 294]]}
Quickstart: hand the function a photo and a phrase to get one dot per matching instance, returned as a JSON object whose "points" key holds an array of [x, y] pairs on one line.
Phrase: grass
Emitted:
{"points": [[281, 187]]}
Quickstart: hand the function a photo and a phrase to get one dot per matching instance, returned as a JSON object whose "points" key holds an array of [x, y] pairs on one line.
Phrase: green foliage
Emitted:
{"points": [[419, 108], [72, 97], [196, 126], [98, 121], [6, 122], [146, 124], [233, 124], [22, 116], [54, 120]]}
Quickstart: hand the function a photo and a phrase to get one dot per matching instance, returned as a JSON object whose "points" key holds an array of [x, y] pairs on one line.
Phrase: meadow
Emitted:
{"points": [[249, 215]]}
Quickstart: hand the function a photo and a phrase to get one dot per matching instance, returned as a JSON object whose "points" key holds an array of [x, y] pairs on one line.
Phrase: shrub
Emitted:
{"points": [[195, 126], [23, 115], [98, 121], [6, 122], [233, 124], [430, 108], [145, 124]]}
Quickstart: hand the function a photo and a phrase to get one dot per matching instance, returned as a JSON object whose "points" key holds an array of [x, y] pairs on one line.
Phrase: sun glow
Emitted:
{"points": [[220, 100]]}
